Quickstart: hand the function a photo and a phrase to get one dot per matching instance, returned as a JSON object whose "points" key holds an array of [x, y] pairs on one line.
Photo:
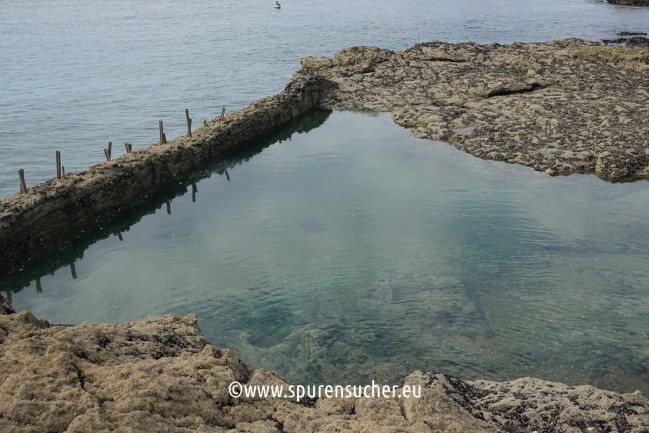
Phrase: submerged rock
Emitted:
{"points": [[161, 374]]}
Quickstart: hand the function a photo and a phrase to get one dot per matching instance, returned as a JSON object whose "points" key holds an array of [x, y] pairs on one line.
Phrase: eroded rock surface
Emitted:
{"points": [[160, 374], [560, 107]]}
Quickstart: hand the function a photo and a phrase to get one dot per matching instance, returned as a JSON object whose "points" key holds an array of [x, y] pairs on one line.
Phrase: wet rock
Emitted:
{"points": [[5, 306], [629, 2], [635, 41]]}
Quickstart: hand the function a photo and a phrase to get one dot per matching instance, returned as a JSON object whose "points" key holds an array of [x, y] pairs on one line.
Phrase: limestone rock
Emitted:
{"points": [[561, 107], [364, 57], [315, 62], [161, 374]]}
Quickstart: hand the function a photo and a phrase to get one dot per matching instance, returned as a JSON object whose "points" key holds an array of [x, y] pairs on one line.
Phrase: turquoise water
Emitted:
{"points": [[355, 251], [75, 75]]}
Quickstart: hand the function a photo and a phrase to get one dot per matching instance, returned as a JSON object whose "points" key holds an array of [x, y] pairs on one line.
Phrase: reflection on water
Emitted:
{"points": [[357, 252], [66, 254]]}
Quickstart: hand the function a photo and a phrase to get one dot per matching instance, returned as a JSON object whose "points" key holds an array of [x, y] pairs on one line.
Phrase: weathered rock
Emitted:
{"points": [[362, 57], [560, 107], [315, 62], [161, 374]]}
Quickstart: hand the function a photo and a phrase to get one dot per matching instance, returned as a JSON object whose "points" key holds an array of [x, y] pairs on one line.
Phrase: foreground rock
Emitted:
{"points": [[561, 107], [160, 374]]}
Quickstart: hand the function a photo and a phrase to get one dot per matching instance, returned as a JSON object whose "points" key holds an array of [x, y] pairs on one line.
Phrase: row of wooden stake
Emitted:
{"points": [[60, 169]]}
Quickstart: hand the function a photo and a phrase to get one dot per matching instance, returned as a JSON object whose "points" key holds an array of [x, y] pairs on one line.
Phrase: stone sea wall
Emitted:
{"points": [[58, 208]]}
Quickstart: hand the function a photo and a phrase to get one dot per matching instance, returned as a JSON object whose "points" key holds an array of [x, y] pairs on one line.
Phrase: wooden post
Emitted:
{"points": [[108, 151], [168, 207], [189, 123], [73, 270], [223, 113], [21, 176], [58, 164], [128, 147], [194, 191], [119, 235], [63, 171], [163, 139]]}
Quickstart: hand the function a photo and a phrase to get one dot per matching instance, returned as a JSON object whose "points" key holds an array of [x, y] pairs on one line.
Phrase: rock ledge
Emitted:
{"points": [[562, 107], [160, 374]]}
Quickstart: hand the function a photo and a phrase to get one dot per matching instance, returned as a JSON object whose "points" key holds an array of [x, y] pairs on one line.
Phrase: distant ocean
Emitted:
{"points": [[75, 75]]}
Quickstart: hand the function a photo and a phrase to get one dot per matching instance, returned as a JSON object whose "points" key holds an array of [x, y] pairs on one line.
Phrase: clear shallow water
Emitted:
{"points": [[75, 75], [357, 252]]}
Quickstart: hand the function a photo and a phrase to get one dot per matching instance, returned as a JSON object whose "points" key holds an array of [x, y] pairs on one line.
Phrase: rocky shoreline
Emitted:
{"points": [[562, 107], [161, 374]]}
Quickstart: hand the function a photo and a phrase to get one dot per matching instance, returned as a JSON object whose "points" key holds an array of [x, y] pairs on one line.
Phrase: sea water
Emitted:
{"points": [[76, 75], [343, 249]]}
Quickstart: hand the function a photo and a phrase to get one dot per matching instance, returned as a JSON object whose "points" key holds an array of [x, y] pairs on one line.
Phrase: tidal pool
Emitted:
{"points": [[343, 250]]}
